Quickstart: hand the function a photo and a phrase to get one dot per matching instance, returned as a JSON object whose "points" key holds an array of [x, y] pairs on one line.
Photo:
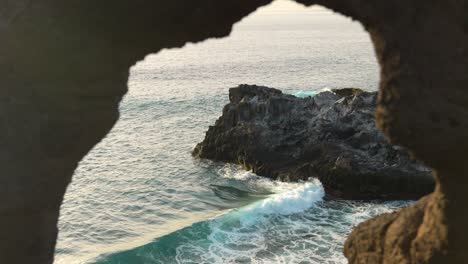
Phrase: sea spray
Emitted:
{"points": [[287, 202], [253, 183], [279, 198]]}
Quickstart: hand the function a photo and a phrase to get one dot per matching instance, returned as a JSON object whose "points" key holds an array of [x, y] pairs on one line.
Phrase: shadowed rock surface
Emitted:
{"points": [[328, 136], [64, 69]]}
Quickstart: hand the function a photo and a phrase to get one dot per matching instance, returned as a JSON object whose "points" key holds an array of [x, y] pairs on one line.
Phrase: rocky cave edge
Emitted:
{"points": [[331, 136], [65, 66]]}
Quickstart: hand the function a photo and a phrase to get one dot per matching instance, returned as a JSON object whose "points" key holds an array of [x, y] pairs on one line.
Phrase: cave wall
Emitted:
{"points": [[422, 48], [64, 69]]}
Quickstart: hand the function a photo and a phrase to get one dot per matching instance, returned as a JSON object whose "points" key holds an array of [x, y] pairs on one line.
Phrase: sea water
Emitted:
{"points": [[139, 196]]}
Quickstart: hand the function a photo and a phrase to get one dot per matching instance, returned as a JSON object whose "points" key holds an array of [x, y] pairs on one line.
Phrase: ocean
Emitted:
{"points": [[140, 197]]}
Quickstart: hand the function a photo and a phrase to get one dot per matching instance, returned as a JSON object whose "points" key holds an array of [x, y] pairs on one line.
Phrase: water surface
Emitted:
{"points": [[139, 196]]}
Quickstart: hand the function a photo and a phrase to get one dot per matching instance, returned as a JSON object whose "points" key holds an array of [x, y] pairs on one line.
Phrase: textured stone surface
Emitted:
{"points": [[423, 51], [64, 67], [332, 136]]}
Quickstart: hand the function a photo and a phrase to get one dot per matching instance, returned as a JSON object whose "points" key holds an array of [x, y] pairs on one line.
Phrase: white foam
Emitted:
{"points": [[286, 227], [241, 235], [305, 94], [292, 201], [286, 198], [255, 182]]}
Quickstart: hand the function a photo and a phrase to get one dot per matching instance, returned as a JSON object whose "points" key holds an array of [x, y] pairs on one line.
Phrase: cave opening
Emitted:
{"points": [[140, 185]]}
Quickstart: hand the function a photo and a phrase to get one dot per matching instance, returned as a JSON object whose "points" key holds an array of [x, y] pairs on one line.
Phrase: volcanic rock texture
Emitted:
{"points": [[332, 136]]}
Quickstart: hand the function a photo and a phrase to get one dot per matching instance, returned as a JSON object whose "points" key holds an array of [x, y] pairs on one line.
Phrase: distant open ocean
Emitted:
{"points": [[139, 196]]}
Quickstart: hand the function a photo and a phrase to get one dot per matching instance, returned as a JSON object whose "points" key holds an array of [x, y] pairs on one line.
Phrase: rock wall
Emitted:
{"points": [[64, 68], [422, 48]]}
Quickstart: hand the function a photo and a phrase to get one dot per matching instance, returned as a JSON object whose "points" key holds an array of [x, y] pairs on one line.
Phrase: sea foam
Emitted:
{"points": [[286, 199], [305, 94], [289, 202]]}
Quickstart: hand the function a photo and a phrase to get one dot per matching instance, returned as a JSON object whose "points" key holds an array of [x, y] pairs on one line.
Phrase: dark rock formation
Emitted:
{"points": [[383, 240], [329, 136], [64, 68], [347, 91]]}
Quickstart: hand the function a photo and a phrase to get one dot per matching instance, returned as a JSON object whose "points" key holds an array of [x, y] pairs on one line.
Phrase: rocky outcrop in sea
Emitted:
{"points": [[331, 136]]}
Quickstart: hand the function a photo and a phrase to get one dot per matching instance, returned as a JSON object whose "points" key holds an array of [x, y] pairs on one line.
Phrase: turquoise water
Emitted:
{"points": [[139, 196], [305, 94]]}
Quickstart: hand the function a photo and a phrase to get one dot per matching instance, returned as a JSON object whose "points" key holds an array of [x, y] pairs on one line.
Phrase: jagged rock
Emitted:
{"points": [[347, 91], [412, 235], [328, 136]]}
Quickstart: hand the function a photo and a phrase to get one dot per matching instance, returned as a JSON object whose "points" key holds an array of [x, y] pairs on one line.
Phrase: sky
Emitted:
{"points": [[289, 6]]}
